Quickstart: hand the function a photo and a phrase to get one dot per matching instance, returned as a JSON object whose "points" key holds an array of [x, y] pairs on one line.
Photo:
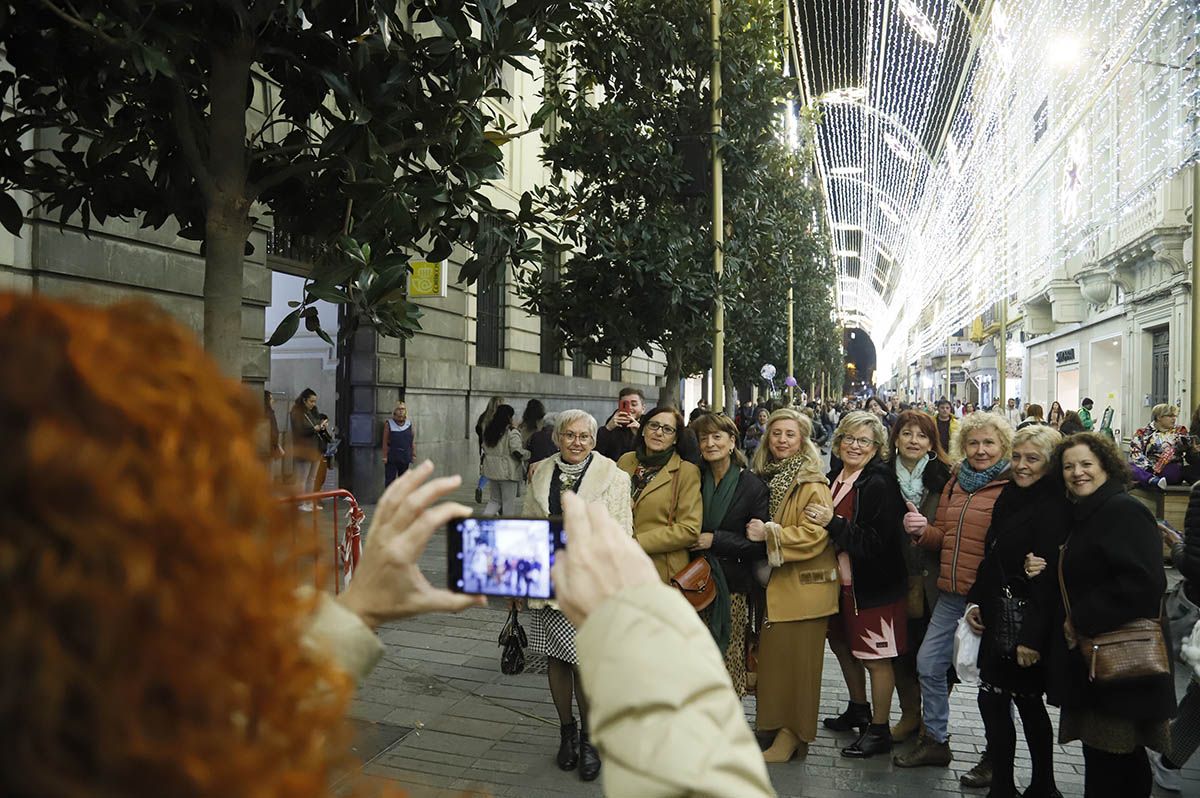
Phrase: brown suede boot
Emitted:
{"points": [[928, 753], [909, 692], [783, 749]]}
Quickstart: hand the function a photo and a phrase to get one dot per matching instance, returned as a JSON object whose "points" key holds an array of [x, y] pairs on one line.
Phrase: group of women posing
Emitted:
{"points": [[881, 557]]}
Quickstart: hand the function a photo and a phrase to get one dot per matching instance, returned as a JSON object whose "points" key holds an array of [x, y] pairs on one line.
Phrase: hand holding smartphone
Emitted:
{"points": [[508, 557]]}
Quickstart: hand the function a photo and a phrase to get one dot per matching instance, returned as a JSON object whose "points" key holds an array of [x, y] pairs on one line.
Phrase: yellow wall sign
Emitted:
{"points": [[427, 279]]}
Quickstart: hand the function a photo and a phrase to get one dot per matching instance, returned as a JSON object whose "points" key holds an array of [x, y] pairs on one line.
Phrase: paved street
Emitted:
{"points": [[439, 719]]}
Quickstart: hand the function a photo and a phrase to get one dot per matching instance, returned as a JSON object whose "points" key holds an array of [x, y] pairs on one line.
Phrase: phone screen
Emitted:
{"points": [[503, 556]]}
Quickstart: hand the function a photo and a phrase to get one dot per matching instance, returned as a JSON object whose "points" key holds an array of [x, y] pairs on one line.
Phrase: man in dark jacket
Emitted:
{"points": [[620, 433]]}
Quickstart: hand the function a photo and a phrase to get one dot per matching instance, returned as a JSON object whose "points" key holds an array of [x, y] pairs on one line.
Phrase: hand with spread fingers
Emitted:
{"points": [[600, 560], [388, 584]]}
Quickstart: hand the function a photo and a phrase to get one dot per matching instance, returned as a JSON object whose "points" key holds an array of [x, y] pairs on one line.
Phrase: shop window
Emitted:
{"points": [[1160, 361]]}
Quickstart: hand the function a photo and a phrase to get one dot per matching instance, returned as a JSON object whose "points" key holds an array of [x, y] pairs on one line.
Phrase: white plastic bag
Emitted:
{"points": [[1190, 650], [966, 653]]}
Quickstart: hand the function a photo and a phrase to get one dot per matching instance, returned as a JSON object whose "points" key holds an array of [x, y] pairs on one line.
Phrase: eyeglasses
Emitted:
{"points": [[665, 429], [582, 437], [862, 443]]}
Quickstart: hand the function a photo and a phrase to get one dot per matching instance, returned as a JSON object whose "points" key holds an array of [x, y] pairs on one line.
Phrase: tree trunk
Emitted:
{"points": [[227, 218], [668, 394], [731, 397]]}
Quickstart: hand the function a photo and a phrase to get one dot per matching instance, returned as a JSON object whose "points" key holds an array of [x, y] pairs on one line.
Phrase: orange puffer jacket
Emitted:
{"points": [[959, 532]]}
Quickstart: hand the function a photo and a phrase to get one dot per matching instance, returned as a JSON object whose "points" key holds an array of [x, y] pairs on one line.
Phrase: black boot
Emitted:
{"points": [[877, 739], [589, 758], [568, 746], [856, 717]]}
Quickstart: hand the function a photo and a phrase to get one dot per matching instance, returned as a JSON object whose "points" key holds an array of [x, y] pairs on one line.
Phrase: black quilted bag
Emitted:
{"points": [[1006, 628], [512, 642]]}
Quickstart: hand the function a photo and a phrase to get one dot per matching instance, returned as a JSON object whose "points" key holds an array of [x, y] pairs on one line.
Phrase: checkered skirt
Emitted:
{"points": [[551, 634]]}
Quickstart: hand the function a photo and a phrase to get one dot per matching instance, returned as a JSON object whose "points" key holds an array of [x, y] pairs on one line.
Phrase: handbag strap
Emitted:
{"points": [[1062, 583]]}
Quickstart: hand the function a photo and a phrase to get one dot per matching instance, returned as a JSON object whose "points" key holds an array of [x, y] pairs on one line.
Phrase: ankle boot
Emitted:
{"points": [[980, 775], [877, 739], [568, 746], [783, 749], [909, 691], [856, 717], [589, 758], [927, 753]]}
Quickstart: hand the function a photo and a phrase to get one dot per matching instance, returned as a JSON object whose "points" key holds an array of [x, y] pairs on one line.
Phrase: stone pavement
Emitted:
{"points": [[438, 719]]}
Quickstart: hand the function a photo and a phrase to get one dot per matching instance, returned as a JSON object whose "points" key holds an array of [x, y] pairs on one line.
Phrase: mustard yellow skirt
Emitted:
{"points": [[790, 659]]}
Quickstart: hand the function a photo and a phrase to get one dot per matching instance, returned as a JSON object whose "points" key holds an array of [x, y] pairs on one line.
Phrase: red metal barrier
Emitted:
{"points": [[346, 547]]}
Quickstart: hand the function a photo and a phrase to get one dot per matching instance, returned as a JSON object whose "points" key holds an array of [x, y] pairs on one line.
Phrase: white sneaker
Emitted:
{"points": [[306, 507], [1163, 776]]}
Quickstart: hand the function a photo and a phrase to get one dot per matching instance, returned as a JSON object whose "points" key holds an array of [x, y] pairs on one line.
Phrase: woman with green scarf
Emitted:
{"points": [[732, 496], [665, 491]]}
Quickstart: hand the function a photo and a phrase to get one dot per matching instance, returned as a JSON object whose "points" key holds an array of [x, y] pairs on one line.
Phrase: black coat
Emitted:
{"points": [[734, 551], [1024, 520], [874, 536], [1189, 566], [613, 443], [1113, 570]]}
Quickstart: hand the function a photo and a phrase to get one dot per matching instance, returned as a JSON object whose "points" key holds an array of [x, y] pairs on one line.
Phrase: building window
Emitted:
{"points": [[580, 367], [489, 320], [614, 369], [551, 341], [1160, 361]]}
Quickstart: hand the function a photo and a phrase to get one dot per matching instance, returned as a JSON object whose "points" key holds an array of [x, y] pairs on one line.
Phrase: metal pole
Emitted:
{"points": [[1002, 354], [949, 343], [791, 372], [1195, 397], [718, 214]]}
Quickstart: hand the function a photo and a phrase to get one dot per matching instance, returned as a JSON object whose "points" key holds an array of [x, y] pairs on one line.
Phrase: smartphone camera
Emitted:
{"points": [[508, 557]]}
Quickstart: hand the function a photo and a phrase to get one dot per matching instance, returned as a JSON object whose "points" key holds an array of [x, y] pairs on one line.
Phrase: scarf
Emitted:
{"points": [[972, 480], [720, 616], [912, 483], [567, 476], [781, 475], [717, 498], [656, 460]]}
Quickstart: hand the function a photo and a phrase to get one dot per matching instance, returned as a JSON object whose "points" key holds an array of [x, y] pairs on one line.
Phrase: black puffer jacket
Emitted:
{"points": [[1024, 520], [1113, 570], [874, 536]]}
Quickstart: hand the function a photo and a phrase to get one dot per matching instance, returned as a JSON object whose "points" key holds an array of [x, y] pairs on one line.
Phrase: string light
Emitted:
{"points": [[1070, 118]]}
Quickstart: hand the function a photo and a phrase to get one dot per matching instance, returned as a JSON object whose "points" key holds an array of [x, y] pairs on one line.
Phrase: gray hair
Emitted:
{"points": [[861, 418], [1042, 437], [566, 418]]}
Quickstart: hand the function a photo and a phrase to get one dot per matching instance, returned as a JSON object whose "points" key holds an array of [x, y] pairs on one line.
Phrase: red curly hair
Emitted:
{"points": [[149, 636]]}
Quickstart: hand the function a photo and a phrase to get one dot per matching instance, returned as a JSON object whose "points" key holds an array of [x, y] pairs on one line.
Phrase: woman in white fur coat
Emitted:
{"points": [[595, 478]]}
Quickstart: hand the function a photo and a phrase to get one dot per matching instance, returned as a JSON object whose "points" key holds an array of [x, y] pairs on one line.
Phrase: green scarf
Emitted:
{"points": [[656, 460], [717, 498], [780, 476], [719, 615]]}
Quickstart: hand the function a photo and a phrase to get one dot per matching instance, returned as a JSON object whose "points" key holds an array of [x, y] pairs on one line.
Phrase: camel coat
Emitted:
{"points": [[667, 515], [805, 586]]}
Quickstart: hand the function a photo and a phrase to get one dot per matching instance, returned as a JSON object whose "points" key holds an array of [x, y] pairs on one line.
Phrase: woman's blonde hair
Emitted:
{"points": [[861, 418], [978, 421], [1163, 410], [812, 455], [1040, 436]]}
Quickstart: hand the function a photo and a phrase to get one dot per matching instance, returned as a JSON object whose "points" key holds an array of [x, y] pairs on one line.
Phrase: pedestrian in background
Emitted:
{"points": [[803, 589], [1034, 414], [1013, 413], [870, 630], [503, 461], [308, 443], [958, 532], [1055, 416], [399, 444], [1085, 414], [665, 490], [531, 420], [1030, 516], [594, 478], [541, 444], [1111, 572], [1071, 424], [480, 424], [947, 426], [754, 435], [921, 470], [732, 496], [1156, 451]]}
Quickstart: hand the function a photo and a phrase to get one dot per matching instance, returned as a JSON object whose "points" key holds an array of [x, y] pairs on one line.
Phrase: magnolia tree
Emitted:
{"points": [[377, 143], [629, 103]]}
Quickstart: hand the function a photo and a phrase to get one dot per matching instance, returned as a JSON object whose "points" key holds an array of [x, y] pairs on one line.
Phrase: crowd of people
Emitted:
{"points": [[139, 615]]}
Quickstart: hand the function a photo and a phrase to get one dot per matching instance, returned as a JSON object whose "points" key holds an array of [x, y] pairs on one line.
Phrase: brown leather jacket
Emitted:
{"points": [[959, 532]]}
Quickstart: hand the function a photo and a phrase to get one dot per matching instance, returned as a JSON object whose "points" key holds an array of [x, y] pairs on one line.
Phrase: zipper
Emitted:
{"points": [[853, 583], [958, 543]]}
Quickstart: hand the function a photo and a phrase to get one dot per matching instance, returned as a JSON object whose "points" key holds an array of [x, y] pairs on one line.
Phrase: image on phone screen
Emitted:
{"points": [[503, 556]]}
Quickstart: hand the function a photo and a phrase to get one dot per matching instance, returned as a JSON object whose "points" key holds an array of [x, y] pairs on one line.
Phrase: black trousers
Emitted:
{"points": [[995, 705], [1108, 775]]}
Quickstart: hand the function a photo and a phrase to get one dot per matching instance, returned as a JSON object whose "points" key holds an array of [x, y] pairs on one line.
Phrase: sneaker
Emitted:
{"points": [[980, 775], [1164, 776], [306, 507]]}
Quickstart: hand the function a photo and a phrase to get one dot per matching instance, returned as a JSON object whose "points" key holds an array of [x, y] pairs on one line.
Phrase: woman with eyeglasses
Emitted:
{"points": [[665, 491], [871, 628], [732, 496], [595, 478], [1156, 452]]}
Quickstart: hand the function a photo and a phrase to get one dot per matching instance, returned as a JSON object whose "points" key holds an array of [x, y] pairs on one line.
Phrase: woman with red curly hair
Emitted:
{"points": [[150, 636]]}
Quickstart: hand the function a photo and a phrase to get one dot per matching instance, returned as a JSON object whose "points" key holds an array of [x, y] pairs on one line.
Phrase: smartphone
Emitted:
{"points": [[626, 405], [503, 556]]}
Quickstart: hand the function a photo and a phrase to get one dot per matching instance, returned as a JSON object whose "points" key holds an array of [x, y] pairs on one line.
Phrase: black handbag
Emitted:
{"points": [[1009, 618], [512, 641]]}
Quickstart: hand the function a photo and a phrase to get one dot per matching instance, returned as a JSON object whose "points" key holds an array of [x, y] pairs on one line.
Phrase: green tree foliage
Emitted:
{"points": [[377, 145], [629, 99]]}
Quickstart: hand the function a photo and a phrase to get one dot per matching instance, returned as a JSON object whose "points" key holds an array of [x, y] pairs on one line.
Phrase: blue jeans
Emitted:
{"points": [[934, 661]]}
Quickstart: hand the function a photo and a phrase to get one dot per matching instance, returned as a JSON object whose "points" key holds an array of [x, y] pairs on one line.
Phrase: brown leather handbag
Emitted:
{"points": [[696, 583], [1133, 650]]}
